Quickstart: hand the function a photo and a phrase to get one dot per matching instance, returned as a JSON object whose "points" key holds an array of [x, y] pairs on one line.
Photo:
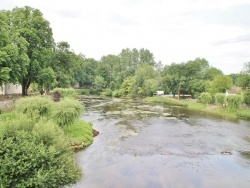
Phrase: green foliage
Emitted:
{"points": [[247, 97], [221, 84], [35, 155], [67, 111], [165, 100], [79, 134], [99, 82], [243, 114], [116, 93], [34, 107], [127, 86], [112, 85], [108, 93], [220, 98], [82, 91], [234, 101], [67, 92], [205, 98]]}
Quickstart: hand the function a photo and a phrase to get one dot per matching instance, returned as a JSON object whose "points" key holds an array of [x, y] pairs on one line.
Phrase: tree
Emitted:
{"points": [[243, 81], [211, 73], [99, 82], [13, 49], [221, 84], [33, 29], [176, 77]]}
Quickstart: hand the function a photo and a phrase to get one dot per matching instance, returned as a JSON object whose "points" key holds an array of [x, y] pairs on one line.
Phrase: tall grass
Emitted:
{"points": [[244, 114], [67, 111], [67, 92], [34, 107]]}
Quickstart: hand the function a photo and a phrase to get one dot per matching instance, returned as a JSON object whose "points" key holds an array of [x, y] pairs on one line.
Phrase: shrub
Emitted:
{"points": [[234, 101], [247, 97], [67, 111], [112, 85], [116, 93], [205, 98], [94, 91], [85, 91], [108, 93], [220, 98], [67, 92], [32, 156], [34, 107]]}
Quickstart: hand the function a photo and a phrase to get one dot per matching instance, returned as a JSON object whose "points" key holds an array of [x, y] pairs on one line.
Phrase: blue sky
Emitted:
{"points": [[173, 30]]}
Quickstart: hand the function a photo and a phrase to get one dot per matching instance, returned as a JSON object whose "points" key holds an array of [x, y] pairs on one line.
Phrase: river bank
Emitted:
{"points": [[210, 108]]}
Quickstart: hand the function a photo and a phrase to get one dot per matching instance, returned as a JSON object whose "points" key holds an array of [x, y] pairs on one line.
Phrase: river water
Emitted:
{"points": [[154, 145]]}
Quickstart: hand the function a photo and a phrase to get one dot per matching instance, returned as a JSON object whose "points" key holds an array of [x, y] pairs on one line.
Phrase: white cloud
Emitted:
{"points": [[174, 31]]}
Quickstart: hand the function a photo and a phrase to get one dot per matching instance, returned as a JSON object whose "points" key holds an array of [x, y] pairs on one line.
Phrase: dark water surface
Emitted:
{"points": [[152, 145]]}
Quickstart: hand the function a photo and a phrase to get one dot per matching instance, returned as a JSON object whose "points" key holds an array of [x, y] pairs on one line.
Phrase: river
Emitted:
{"points": [[155, 145]]}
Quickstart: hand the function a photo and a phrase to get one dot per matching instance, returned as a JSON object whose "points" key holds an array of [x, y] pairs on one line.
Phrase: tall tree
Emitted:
{"points": [[28, 23], [13, 51]]}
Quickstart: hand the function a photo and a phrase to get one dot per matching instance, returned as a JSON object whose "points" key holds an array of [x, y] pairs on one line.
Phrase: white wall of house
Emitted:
{"points": [[12, 89]]}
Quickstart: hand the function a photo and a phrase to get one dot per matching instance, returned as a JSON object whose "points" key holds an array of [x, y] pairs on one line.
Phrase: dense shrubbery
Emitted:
{"points": [[65, 92], [34, 107], [67, 111], [234, 101], [116, 93], [35, 154], [220, 98], [108, 93], [247, 97], [35, 151], [205, 98]]}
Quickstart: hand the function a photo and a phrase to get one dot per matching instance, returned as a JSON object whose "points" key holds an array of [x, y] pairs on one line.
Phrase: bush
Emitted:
{"points": [[205, 98], [35, 155], [116, 93], [108, 93], [234, 101], [112, 85], [67, 111], [94, 91], [220, 98], [247, 97], [34, 107], [85, 91], [66, 92]]}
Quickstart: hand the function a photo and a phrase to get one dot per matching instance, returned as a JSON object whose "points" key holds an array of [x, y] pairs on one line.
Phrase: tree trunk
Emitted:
{"points": [[25, 87], [179, 91]]}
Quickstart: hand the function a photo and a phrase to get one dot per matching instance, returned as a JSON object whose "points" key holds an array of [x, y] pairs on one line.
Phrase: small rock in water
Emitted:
{"points": [[226, 153], [95, 132]]}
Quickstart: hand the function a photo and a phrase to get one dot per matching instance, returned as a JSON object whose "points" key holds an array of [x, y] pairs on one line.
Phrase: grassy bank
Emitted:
{"points": [[213, 109], [79, 134]]}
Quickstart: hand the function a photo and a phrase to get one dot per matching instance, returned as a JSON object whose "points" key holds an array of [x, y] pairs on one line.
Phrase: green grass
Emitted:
{"points": [[165, 101], [244, 114], [217, 110], [79, 134]]}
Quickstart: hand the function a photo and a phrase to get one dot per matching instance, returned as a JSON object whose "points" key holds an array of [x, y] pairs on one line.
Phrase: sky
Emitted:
{"points": [[173, 30]]}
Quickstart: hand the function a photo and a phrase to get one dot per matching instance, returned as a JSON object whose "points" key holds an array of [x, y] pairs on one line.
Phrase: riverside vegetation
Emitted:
{"points": [[227, 106], [37, 140]]}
